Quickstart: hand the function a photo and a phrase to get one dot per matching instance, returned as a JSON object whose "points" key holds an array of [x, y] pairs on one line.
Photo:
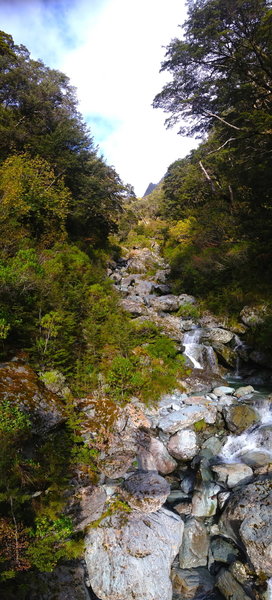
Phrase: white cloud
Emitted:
{"points": [[112, 51]]}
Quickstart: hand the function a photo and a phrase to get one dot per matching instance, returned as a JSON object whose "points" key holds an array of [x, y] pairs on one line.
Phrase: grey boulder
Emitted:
{"points": [[247, 518], [145, 491], [129, 558]]}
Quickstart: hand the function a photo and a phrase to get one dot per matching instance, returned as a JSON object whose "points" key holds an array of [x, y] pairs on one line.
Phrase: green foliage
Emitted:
{"points": [[52, 543], [200, 425], [189, 310], [221, 76], [152, 369], [33, 200], [13, 421]]}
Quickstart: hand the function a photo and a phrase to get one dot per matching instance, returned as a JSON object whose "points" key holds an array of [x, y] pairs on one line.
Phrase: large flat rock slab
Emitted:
{"points": [[129, 557], [181, 419]]}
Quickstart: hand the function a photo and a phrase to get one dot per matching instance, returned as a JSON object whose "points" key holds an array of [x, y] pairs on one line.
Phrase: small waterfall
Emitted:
{"points": [[238, 347], [192, 347], [257, 439], [200, 355]]}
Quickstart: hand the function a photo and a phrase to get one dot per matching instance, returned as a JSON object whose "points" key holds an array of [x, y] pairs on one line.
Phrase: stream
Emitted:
{"points": [[253, 446], [211, 444]]}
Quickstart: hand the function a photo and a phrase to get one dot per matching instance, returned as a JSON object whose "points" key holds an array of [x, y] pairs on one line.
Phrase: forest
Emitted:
{"points": [[65, 216]]}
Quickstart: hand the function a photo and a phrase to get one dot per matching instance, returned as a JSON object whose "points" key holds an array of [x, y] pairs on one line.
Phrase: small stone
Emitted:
{"points": [[223, 550], [183, 445], [176, 495], [213, 444], [239, 417], [153, 455], [195, 544], [192, 583], [186, 299], [244, 391], [233, 474], [204, 502], [223, 390], [188, 483], [222, 499], [145, 491], [183, 508], [257, 458], [241, 572], [229, 587]]}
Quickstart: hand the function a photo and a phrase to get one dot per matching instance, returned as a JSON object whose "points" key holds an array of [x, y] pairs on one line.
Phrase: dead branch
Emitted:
{"points": [[207, 176]]}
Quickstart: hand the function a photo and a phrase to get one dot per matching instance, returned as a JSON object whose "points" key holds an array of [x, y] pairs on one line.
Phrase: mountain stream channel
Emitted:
{"points": [[195, 470]]}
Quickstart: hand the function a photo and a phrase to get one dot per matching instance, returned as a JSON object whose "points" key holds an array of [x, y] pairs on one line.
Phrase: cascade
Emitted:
{"points": [[239, 346], [201, 355], [257, 439], [192, 347]]}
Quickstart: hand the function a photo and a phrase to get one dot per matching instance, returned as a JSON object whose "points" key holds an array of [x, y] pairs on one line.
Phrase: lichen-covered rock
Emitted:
{"points": [[135, 307], [183, 445], [88, 505], [246, 518], [168, 303], [20, 385], [201, 381], [195, 544], [129, 558], [217, 334], [124, 426], [253, 315], [145, 491], [239, 417]]}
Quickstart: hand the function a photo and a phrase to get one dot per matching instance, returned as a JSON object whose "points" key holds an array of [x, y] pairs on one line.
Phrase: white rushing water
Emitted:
{"points": [[257, 439], [201, 355], [192, 347]]}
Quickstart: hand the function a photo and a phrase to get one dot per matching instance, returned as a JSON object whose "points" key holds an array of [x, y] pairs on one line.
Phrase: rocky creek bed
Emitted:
{"points": [[194, 472]]}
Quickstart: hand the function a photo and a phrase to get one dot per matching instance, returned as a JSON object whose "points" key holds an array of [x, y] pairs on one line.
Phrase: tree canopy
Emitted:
{"points": [[39, 116], [222, 68]]}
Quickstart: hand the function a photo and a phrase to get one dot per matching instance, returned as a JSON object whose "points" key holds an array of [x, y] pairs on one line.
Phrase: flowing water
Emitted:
{"points": [[200, 355], [253, 446], [192, 347]]}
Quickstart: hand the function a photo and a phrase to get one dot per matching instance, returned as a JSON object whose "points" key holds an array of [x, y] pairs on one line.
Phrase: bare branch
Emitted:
{"points": [[207, 176], [220, 147], [207, 112]]}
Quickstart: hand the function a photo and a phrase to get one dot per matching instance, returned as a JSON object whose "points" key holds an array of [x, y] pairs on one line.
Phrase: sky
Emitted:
{"points": [[112, 51]]}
